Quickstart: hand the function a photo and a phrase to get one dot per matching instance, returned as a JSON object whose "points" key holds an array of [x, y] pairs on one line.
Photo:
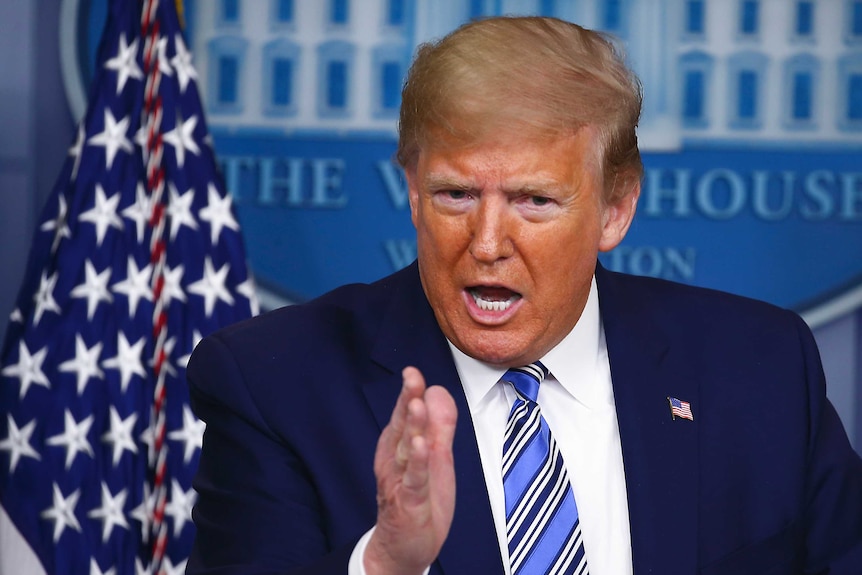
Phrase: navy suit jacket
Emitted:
{"points": [[763, 480]]}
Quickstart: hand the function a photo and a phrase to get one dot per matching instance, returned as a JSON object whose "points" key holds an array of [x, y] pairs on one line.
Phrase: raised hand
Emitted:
{"points": [[415, 480]]}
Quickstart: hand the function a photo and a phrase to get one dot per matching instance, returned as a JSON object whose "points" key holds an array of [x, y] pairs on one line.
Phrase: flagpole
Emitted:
{"points": [[155, 178]]}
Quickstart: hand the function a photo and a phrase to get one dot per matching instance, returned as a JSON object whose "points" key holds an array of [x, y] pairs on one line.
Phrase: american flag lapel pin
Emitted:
{"points": [[679, 408]]}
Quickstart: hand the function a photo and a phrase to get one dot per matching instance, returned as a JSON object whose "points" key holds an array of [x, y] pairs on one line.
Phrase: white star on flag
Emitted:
{"points": [[148, 439], [103, 214], [184, 360], [171, 569], [44, 298], [85, 364], [173, 287], [96, 570], [125, 62], [17, 442], [218, 213], [162, 57], [94, 288], [28, 370], [212, 286], [15, 316], [140, 211], [76, 148], [120, 434], [74, 437], [180, 210], [127, 360], [140, 138], [182, 139], [112, 138], [191, 433], [136, 286], [144, 512], [249, 291], [63, 512], [180, 505], [111, 511], [59, 224], [170, 344], [182, 63]]}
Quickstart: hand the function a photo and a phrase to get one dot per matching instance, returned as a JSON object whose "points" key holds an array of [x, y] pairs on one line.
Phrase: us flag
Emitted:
{"points": [[679, 408], [137, 256]]}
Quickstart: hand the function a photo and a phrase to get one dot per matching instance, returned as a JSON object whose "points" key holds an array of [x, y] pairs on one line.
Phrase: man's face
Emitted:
{"points": [[508, 233]]}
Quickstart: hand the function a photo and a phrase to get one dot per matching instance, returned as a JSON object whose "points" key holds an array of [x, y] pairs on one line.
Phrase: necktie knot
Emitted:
{"points": [[526, 379]]}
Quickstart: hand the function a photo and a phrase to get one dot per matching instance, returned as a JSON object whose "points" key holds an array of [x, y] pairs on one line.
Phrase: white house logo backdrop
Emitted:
{"points": [[751, 133]]}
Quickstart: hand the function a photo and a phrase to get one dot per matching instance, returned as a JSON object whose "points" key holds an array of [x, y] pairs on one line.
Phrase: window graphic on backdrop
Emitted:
{"points": [[751, 133]]}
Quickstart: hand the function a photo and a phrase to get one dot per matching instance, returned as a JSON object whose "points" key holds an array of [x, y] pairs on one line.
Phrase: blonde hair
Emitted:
{"points": [[542, 76]]}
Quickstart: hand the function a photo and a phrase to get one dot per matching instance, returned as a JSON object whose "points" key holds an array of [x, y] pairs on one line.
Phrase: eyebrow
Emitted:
{"points": [[535, 189], [446, 182]]}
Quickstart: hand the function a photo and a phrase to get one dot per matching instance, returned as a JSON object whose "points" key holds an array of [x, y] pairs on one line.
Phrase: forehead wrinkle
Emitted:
{"points": [[487, 165], [509, 179]]}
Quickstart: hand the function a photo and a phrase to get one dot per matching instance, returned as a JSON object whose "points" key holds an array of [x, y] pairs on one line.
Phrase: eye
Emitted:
{"points": [[450, 196], [537, 207], [540, 200], [452, 200]]}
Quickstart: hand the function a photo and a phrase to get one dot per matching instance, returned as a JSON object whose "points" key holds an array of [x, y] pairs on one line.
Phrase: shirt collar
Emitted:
{"points": [[574, 362]]}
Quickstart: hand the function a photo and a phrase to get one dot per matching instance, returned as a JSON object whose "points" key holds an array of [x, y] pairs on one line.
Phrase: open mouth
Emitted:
{"points": [[493, 298]]}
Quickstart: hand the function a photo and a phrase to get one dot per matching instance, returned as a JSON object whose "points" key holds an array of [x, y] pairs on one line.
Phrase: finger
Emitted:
{"points": [[413, 381], [387, 453], [412, 389], [416, 472], [412, 386], [415, 425], [442, 417]]}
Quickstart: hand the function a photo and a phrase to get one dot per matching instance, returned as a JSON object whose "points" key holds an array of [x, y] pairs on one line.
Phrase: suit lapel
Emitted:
{"points": [[660, 454], [409, 335]]}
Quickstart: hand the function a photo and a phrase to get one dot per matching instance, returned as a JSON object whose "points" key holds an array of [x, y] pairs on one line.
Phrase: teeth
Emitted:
{"points": [[487, 305]]}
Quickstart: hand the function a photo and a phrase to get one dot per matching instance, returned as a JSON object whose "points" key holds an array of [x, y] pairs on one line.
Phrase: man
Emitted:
{"points": [[366, 431]]}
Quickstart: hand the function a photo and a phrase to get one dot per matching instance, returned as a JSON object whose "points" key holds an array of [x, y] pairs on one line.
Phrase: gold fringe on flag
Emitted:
{"points": [[181, 13]]}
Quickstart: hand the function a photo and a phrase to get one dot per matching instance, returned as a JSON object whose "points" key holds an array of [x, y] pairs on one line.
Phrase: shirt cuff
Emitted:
{"points": [[356, 566]]}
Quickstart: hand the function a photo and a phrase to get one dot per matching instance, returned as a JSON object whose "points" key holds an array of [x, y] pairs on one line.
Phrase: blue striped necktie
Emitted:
{"points": [[541, 516]]}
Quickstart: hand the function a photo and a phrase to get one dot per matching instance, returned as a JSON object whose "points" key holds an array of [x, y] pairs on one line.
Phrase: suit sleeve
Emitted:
{"points": [[834, 480], [257, 510]]}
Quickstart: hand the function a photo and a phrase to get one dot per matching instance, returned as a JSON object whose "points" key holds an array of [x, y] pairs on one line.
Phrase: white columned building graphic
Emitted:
{"points": [[740, 71]]}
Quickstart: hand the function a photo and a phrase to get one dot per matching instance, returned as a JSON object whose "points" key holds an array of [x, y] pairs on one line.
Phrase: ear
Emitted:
{"points": [[618, 216]]}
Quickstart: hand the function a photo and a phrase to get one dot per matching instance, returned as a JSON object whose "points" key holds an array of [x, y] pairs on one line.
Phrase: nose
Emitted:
{"points": [[491, 238]]}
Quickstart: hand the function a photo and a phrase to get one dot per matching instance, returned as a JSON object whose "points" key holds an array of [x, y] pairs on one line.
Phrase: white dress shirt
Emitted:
{"points": [[577, 401]]}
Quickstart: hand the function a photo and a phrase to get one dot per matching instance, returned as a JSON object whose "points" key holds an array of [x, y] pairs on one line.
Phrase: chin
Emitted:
{"points": [[488, 351]]}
